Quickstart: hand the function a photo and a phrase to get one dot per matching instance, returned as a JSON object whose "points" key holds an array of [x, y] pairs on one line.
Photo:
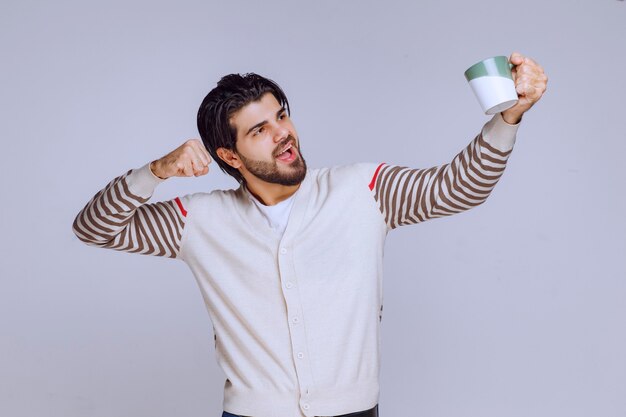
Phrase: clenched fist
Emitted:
{"points": [[530, 84], [189, 159]]}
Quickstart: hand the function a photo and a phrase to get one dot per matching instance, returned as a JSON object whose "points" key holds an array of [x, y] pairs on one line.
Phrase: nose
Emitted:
{"points": [[280, 134]]}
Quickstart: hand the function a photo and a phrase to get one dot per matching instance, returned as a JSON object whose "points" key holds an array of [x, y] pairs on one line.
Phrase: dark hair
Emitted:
{"points": [[232, 93]]}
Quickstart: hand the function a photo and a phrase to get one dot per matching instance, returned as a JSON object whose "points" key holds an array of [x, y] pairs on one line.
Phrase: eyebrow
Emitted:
{"points": [[278, 113]]}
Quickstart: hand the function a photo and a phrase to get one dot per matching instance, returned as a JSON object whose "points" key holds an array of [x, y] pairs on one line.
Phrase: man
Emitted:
{"points": [[290, 263]]}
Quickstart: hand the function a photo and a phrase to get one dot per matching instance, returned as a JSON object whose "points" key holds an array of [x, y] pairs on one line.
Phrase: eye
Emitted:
{"points": [[258, 131], [282, 116]]}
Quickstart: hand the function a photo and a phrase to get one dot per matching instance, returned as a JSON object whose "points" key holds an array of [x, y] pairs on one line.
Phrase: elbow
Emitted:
{"points": [[82, 233], [79, 232]]}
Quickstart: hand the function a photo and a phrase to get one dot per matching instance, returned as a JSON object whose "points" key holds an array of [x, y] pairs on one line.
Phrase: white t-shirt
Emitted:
{"points": [[276, 215]]}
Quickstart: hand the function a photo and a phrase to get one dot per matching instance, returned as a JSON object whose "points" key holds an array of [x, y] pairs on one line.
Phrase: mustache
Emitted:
{"points": [[281, 145]]}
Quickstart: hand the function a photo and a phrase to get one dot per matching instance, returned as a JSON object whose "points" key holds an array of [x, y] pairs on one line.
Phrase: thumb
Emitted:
{"points": [[516, 58]]}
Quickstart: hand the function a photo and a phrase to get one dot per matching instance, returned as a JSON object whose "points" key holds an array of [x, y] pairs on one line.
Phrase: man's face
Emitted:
{"points": [[267, 143]]}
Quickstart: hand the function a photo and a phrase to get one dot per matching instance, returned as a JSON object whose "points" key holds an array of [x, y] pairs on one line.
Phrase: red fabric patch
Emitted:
{"points": [[373, 182], [180, 206]]}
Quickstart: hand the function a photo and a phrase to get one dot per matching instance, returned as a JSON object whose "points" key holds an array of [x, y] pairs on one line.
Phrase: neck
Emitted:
{"points": [[270, 194]]}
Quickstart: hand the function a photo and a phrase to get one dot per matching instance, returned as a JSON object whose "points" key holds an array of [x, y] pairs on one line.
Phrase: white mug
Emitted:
{"points": [[492, 83]]}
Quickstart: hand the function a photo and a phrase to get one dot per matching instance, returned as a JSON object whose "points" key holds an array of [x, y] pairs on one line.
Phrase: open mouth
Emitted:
{"points": [[288, 154]]}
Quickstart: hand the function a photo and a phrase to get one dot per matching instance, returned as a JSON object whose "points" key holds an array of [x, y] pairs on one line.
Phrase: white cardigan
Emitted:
{"points": [[297, 318]]}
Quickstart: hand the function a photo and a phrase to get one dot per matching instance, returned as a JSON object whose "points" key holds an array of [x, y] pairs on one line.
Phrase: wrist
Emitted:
{"points": [[153, 169], [511, 118]]}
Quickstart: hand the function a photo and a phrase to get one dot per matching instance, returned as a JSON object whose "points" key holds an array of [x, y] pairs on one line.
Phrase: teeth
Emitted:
{"points": [[285, 150]]}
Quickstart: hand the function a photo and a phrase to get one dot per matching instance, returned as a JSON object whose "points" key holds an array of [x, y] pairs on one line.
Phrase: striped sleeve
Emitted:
{"points": [[118, 218], [408, 196]]}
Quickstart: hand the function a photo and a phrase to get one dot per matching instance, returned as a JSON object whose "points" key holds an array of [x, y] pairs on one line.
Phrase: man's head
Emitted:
{"points": [[244, 124]]}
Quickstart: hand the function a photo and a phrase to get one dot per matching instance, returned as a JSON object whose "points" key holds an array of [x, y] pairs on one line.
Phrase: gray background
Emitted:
{"points": [[513, 309]]}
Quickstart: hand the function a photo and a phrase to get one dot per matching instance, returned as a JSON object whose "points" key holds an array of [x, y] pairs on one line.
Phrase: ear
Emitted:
{"points": [[229, 156]]}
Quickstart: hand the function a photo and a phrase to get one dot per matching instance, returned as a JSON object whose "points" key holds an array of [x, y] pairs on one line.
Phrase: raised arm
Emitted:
{"points": [[118, 218], [409, 196]]}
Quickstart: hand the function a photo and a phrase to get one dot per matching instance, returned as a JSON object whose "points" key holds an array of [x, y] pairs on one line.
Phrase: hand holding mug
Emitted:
{"points": [[530, 84]]}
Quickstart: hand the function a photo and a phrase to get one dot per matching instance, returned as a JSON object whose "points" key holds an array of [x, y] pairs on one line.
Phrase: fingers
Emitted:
{"points": [[189, 159], [525, 89], [199, 158], [525, 66], [522, 62], [516, 58], [185, 168], [201, 152], [530, 79], [531, 88], [199, 168]]}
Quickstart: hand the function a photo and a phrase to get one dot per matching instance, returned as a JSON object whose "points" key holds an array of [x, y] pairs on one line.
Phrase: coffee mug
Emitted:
{"points": [[492, 83]]}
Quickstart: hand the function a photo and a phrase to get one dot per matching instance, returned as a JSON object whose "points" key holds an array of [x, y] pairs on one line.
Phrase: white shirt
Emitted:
{"points": [[276, 215]]}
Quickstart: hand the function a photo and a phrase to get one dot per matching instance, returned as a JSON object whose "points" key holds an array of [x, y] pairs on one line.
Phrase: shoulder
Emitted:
{"points": [[358, 171], [205, 200], [358, 175]]}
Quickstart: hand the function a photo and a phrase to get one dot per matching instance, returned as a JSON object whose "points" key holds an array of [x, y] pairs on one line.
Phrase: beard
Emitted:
{"points": [[292, 174]]}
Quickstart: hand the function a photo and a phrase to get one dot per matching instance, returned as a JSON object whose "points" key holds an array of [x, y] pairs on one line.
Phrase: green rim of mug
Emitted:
{"points": [[492, 67]]}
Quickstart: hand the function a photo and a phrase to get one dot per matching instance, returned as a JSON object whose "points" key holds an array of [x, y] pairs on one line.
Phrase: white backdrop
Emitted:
{"points": [[515, 308]]}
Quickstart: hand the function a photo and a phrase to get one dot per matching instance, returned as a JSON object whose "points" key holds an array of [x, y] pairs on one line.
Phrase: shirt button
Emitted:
{"points": [[295, 320], [300, 355], [283, 250], [289, 285], [306, 406]]}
